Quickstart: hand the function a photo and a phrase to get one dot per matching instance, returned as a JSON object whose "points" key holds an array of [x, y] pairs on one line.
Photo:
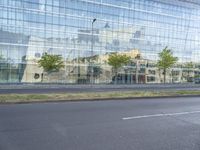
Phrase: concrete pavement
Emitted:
{"points": [[145, 124]]}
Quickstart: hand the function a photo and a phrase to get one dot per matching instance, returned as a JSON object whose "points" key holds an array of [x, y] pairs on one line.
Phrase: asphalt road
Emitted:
{"points": [[39, 89], [148, 124]]}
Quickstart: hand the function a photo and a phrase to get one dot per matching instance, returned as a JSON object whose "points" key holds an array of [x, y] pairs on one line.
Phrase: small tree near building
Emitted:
{"points": [[51, 63], [166, 61], [117, 61]]}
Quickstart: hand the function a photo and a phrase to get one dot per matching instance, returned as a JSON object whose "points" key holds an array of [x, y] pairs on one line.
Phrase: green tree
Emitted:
{"points": [[117, 61], [166, 60], [51, 63]]}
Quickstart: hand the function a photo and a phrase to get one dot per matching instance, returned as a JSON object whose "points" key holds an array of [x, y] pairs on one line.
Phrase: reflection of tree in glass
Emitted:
{"points": [[166, 60], [51, 63], [117, 61]]}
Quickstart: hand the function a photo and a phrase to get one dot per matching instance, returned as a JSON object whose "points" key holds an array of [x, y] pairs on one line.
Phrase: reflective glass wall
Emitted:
{"points": [[29, 28]]}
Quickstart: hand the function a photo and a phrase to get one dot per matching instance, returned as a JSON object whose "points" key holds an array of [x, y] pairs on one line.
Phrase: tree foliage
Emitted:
{"points": [[117, 61], [166, 60], [51, 63]]}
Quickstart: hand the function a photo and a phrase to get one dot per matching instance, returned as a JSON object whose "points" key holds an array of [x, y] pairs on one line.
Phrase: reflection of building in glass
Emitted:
{"points": [[30, 28]]}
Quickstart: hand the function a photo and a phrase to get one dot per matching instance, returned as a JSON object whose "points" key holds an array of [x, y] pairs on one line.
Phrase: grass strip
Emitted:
{"points": [[24, 98]]}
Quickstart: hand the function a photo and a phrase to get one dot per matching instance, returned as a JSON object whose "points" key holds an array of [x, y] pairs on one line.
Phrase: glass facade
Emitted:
{"points": [[29, 28]]}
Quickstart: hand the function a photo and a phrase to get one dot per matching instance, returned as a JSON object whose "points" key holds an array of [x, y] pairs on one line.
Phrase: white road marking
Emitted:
{"points": [[161, 115]]}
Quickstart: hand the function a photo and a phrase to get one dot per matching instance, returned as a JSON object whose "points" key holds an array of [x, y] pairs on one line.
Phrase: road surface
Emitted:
{"points": [[145, 124]]}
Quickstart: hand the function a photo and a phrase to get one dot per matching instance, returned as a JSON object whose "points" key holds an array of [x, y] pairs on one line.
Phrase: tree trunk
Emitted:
{"points": [[164, 76], [115, 76], [160, 79], [42, 77]]}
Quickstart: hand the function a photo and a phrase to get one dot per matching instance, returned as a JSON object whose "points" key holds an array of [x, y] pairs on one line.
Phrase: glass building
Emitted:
{"points": [[85, 32]]}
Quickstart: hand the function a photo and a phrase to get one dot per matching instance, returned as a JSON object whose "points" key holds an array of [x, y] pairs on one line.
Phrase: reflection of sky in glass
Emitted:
{"points": [[143, 24]]}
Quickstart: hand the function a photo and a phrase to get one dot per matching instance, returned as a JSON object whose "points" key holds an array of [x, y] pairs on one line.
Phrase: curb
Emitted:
{"points": [[99, 99]]}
